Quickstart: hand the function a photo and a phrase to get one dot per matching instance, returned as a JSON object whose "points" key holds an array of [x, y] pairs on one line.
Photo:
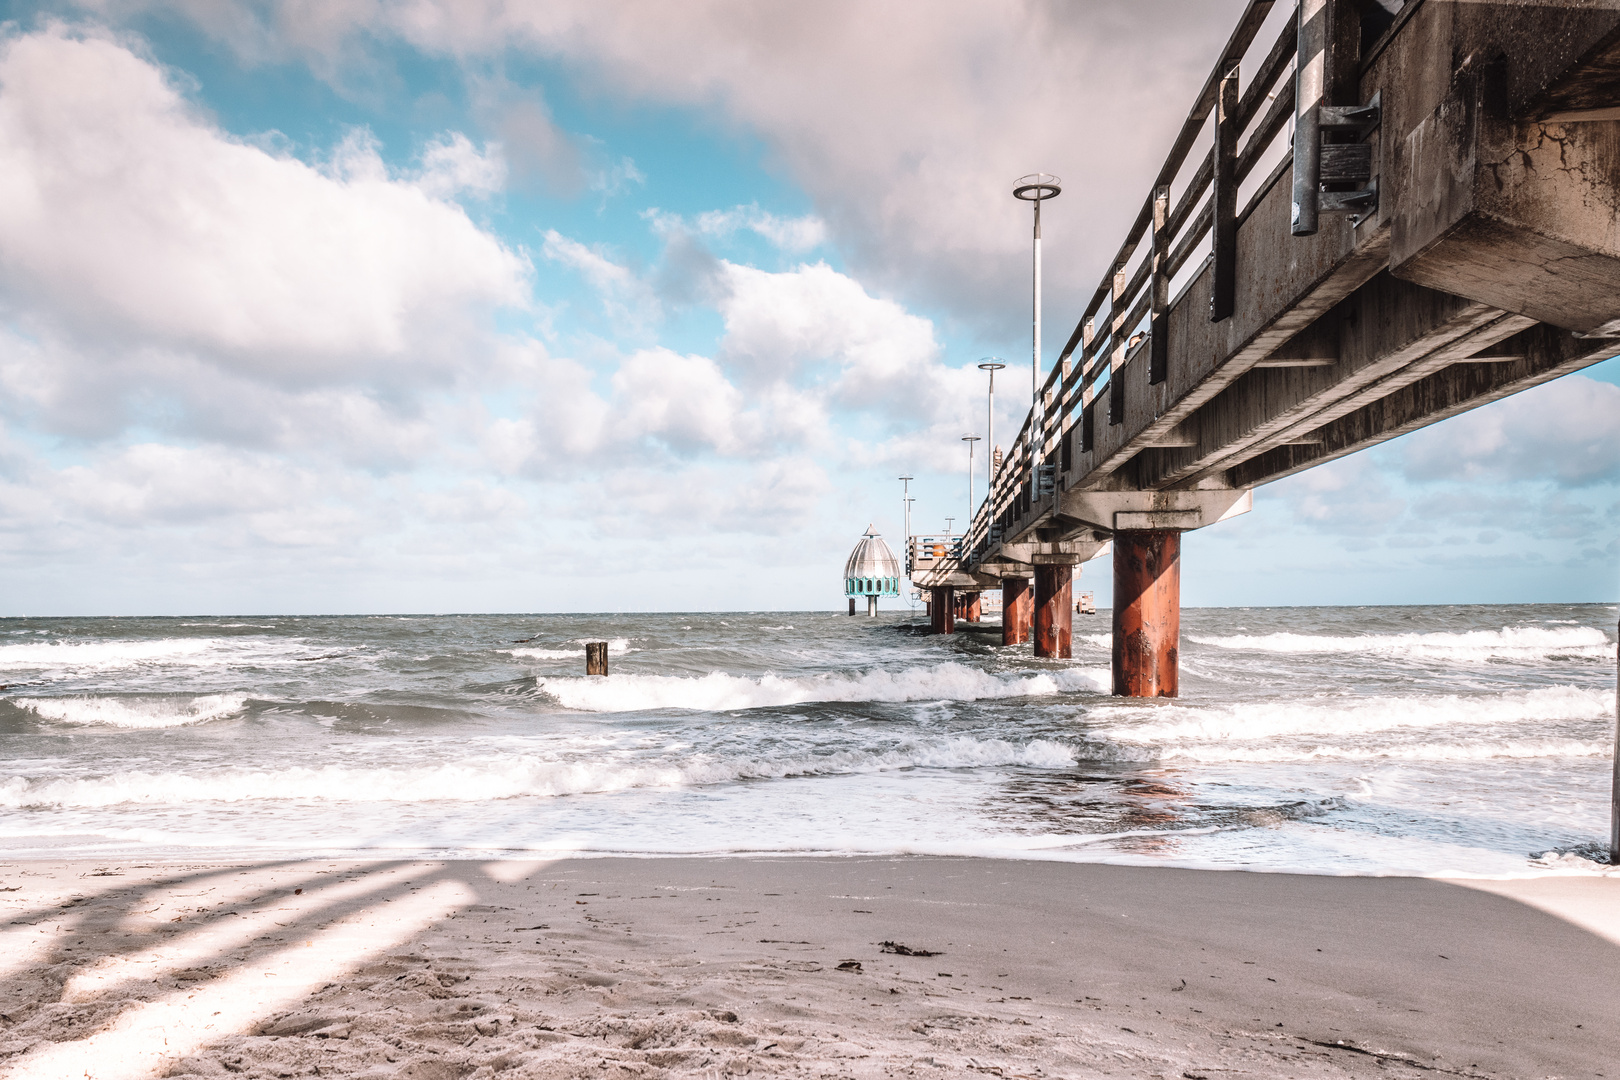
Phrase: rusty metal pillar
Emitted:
{"points": [[942, 609], [1054, 611], [1147, 612], [1017, 610], [972, 607]]}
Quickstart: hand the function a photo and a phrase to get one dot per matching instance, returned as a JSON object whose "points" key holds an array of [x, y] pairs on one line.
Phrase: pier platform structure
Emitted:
{"points": [[1391, 213]]}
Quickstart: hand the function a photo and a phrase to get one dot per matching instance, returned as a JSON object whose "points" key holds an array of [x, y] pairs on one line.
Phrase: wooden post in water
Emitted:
{"points": [[1017, 610], [942, 609], [1147, 612], [1054, 611], [852, 605], [596, 657]]}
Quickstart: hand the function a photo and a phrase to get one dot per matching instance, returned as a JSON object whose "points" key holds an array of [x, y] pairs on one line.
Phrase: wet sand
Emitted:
{"points": [[676, 967]]}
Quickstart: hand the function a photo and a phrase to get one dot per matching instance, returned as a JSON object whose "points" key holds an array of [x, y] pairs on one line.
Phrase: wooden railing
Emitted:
{"points": [[1128, 310]]}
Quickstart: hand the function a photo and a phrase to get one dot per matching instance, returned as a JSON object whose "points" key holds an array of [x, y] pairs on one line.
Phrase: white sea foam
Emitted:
{"points": [[134, 712], [179, 652], [719, 692], [1346, 715], [1509, 643], [616, 647], [1428, 751], [481, 779]]}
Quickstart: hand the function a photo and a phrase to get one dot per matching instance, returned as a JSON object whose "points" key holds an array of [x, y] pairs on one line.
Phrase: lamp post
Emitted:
{"points": [[905, 506], [906, 501], [970, 439], [992, 364], [1034, 188]]}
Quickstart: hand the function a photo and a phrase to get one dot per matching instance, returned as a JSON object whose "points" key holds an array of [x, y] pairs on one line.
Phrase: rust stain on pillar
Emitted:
{"points": [[972, 607], [1054, 612], [1017, 610], [943, 609], [1147, 612]]}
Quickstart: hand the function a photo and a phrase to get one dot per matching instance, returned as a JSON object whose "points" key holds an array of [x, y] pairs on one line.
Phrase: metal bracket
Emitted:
{"points": [[1358, 203], [1361, 119]]}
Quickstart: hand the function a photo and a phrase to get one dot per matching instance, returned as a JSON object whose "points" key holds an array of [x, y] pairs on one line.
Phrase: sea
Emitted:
{"points": [[1470, 740]]}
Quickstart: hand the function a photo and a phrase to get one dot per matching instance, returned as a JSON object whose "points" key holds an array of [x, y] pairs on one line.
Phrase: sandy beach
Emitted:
{"points": [[672, 967]]}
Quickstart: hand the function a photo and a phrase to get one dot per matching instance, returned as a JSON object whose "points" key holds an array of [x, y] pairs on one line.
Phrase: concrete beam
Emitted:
{"points": [[1548, 352], [1180, 510], [1277, 298], [1520, 214], [1382, 328]]}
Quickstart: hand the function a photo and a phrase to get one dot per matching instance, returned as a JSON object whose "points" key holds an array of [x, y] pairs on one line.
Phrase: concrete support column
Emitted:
{"points": [[1147, 612], [1054, 611], [871, 607], [942, 610], [1017, 610]]}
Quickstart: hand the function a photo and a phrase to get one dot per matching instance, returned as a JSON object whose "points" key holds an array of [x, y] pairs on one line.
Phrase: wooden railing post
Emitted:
{"points": [[1223, 294], [1116, 329], [1310, 79], [1159, 330]]}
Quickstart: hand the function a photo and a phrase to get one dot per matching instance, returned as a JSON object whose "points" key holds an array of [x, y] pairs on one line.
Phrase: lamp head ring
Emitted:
{"points": [[1037, 186]]}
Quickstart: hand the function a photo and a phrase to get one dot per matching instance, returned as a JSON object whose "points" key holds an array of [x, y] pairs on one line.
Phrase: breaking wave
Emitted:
{"points": [[616, 647], [134, 712], [1348, 715], [1509, 643], [507, 776], [179, 652], [1427, 751], [719, 692]]}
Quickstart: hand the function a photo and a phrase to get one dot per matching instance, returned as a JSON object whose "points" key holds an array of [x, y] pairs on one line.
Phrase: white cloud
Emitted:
{"points": [[1567, 430], [683, 401], [905, 125], [779, 323], [602, 272], [125, 216], [794, 235], [452, 165]]}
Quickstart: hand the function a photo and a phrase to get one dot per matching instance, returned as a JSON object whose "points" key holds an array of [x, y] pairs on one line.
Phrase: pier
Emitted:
{"points": [[1390, 214]]}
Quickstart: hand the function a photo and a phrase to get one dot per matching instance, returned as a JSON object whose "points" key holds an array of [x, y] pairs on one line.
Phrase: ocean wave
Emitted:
{"points": [[616, 647], [483, 779], [134, 712], [104, 655], [719, 692], [1428, 751], [1510, 643], [1340, 716]]}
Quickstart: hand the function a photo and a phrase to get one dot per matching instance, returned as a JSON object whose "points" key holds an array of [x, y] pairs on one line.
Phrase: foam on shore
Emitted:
{"points": [[720, 692]]}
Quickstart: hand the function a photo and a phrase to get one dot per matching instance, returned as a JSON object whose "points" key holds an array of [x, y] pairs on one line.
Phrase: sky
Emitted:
{"points": [[350, 306]]}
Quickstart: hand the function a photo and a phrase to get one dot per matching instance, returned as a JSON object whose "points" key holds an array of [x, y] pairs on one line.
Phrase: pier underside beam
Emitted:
{"points": [[1147, 612], [1054, 611], [1017, 610], [942, 609]]}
